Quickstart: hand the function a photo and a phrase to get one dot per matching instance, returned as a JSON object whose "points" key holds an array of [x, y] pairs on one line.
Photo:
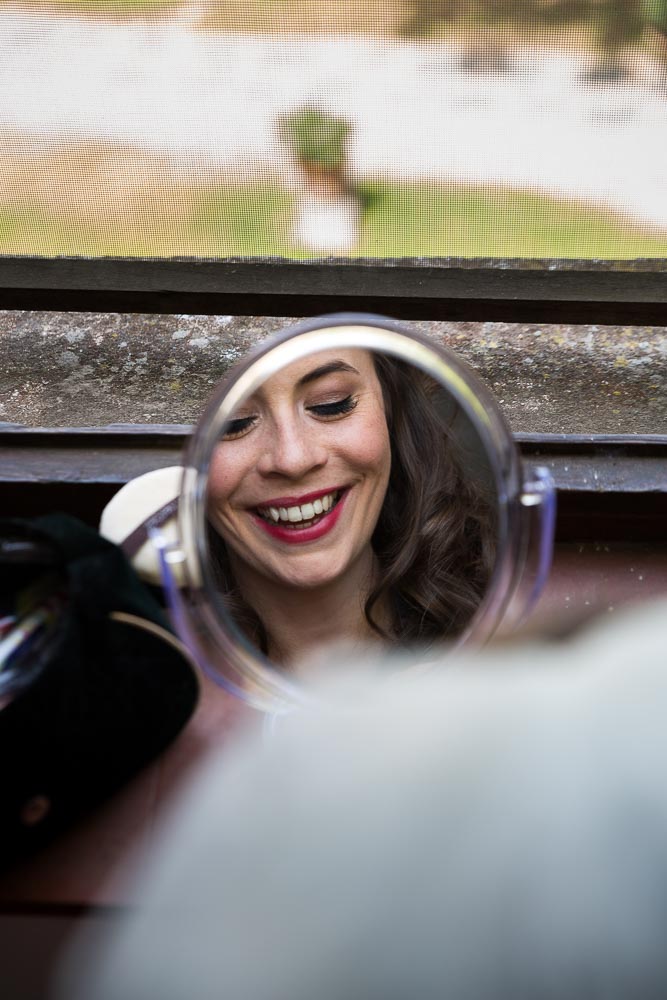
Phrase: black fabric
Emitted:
{"points": [[110, 698]]}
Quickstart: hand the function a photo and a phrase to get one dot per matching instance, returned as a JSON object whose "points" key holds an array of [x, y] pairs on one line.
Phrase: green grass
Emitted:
{"points": [[244, 221], [438, 220], [219, 221], [399, 220]]}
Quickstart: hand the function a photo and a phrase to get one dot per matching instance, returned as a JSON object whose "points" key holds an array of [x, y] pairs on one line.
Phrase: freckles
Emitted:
{"points": [[223, 475], [360, 450], [216, 476], [368, 442]]}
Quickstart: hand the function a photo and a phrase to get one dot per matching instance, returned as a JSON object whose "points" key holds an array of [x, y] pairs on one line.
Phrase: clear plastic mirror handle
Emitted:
{"points": [[538, 503], [170, 556]]}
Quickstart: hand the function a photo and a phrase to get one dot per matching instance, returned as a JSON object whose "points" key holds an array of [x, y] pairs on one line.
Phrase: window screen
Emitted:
{"points": [[291, 128]]}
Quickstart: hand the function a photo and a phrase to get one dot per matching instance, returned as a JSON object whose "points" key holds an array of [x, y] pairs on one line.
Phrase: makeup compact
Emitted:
{"points": [[350, 481]]}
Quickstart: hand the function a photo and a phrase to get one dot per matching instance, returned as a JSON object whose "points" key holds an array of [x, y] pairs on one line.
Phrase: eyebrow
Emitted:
{"points": [[327, 369]]}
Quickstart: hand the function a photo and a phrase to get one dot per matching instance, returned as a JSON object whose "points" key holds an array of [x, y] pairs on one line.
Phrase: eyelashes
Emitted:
{"points": [[336, 409], [238, 427], [324, 411]]}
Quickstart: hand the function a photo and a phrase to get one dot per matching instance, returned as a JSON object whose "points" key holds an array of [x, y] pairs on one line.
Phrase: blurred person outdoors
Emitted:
{"points": [[493, 829]]}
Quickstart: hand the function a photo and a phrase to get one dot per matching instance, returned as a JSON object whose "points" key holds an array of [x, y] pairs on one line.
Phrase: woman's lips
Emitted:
{"points": [[292, 530]]}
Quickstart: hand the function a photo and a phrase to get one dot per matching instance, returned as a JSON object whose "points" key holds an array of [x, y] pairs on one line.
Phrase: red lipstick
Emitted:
{"points": [[297, 536]]}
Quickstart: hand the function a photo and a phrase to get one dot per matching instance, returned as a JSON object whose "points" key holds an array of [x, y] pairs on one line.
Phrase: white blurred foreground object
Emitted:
{"points": [[495, 830]]}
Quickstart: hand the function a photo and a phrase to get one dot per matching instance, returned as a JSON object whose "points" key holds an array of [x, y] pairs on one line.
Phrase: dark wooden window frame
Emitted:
{"points": [[543, 291], [623, 493]]}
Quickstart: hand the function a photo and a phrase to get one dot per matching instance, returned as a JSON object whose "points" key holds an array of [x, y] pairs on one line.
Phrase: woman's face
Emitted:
{"points": [[297, 484]]}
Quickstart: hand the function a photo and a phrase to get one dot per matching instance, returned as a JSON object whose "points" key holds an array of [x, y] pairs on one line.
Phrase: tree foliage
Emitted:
{"points": [[614, 23], [316, 138], [655, 12]]}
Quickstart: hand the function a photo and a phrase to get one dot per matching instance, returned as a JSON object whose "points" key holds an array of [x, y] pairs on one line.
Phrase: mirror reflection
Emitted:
{"points": [[350, 498]]}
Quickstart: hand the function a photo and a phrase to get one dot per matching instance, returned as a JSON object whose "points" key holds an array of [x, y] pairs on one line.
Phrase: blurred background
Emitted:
{"points": [[379, 129]]}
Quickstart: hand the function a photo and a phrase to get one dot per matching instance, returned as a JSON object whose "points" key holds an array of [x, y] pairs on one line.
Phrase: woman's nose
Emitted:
{"points": [[291, 450]]}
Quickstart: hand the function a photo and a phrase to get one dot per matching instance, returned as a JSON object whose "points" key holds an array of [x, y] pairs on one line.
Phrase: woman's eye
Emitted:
{"points": [[336, 409], [238, 427]]}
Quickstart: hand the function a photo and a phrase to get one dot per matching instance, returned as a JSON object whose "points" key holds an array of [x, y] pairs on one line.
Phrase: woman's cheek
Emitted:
{"points": [[367, 443], [224, 475]]}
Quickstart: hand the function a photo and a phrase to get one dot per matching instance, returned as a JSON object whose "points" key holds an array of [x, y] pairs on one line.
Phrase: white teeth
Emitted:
{"points": [[304, 512]]}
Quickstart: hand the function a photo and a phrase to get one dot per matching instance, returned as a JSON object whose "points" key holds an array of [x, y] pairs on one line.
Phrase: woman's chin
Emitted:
{"points": [[309, 582], [311, 574]]}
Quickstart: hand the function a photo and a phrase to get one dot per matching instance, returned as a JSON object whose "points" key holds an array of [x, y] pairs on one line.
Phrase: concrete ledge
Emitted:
{"points": [[95, 369]]}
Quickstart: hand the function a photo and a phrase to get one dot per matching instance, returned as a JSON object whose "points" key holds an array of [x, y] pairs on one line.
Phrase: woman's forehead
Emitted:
{"points": [[308, 371]]}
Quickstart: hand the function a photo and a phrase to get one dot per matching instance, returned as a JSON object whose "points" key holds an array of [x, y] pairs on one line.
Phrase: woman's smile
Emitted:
{"points": [[297, 520]]}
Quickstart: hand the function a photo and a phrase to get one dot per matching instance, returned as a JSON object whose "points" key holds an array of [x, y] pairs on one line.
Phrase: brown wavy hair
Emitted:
{"points": [[435, 539]]}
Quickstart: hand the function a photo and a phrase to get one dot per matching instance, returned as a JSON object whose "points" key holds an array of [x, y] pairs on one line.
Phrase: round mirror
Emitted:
{"points": [[349, 482]]}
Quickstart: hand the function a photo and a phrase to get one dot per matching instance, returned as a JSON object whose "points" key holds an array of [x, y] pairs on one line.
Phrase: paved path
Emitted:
{"points": [[214, 98]]}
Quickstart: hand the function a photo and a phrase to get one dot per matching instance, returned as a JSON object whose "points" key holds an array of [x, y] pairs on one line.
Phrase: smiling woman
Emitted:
{"points": [[338, 509]]}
